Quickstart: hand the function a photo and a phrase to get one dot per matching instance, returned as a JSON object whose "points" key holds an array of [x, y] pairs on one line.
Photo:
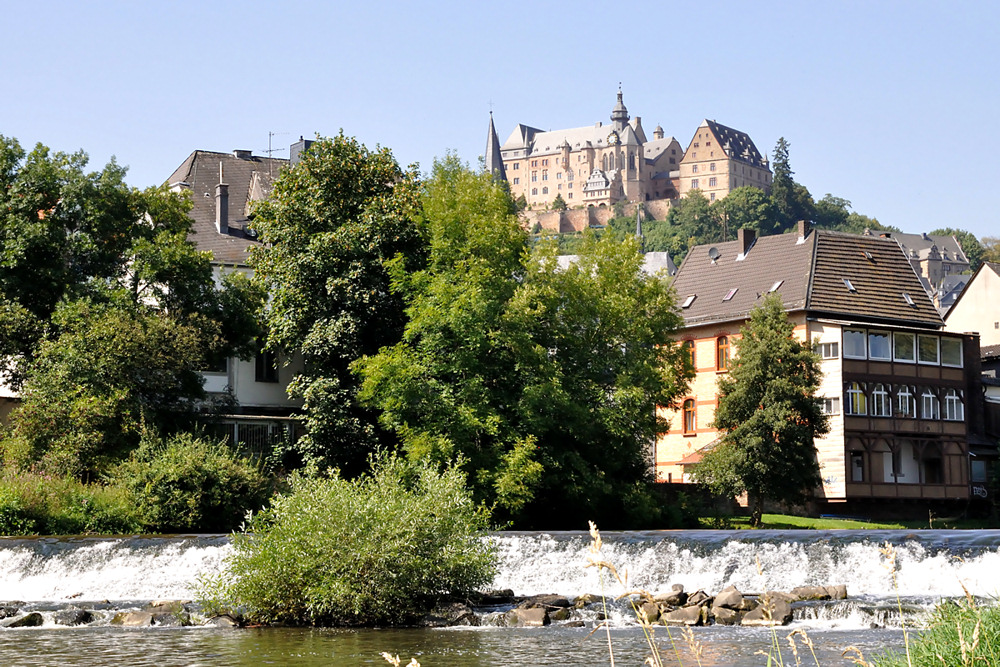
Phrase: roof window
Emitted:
{"points": [[775, 286], [730, 294], [869, 256], [908, 299], [689, 300], [850, 287]]}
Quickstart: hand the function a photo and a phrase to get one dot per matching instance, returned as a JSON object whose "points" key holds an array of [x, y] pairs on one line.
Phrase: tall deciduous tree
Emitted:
{"points": [[746, 207], [542, 382], [333, 222], [768, 414]]}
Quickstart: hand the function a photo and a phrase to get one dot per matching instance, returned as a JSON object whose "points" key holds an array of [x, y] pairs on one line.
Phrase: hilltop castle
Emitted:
{"points": [[599, 165]]}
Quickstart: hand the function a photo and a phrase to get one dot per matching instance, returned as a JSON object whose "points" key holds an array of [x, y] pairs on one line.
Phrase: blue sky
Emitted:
{"points": [[890, 105]]}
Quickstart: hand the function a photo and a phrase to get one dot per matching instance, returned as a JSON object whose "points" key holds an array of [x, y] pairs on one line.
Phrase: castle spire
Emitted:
{"points": [[619, 115], [494, 161]]}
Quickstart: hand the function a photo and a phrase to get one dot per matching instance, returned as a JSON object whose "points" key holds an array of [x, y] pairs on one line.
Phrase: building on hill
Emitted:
{"points": [[224, 188], [902, 395], [933, 256], [599, 165], [720, 159]]}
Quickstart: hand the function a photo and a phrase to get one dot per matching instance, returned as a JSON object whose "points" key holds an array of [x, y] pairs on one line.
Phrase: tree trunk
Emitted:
{"points": [[758, 510]]}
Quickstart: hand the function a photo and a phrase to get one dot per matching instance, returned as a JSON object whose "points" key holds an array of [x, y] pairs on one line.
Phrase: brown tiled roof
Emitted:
{"points": [[808, 274], [201, 171], [880, 275], [771, 259]]}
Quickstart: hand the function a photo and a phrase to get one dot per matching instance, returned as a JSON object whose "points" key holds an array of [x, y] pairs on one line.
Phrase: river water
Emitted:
{"points": [[49, 574]]}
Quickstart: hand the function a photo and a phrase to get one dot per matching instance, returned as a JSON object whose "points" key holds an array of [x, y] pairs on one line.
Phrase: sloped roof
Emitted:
{"points": [[919, 245], [808, 274], [494, 161], [653, 149], [989, 351], [737, 145], [247, 177], [985, 266]]}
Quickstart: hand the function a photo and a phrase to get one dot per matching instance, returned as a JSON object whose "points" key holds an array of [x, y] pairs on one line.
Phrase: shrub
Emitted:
{"points": [[381, 549], [187, 483], [40, 504]]}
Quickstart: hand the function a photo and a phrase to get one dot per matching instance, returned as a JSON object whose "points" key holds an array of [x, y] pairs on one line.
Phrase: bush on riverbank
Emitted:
{"points": [[39, 504], [382, 549], [185, 483]]}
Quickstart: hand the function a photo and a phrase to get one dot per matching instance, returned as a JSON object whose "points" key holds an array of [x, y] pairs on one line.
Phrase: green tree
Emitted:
{"points": [[835, 213], [791, 200], [746, 207], [559, 204], [991, 249], [971, 246], [768, 414], [542, 382], [332, 224]]}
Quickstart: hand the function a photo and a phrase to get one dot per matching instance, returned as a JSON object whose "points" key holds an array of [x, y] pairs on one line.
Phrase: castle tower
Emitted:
{"points": [[619, 115]]}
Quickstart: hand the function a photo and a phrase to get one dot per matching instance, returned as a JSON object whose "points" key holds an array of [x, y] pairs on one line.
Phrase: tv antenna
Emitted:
{"points": [[270, 151]]}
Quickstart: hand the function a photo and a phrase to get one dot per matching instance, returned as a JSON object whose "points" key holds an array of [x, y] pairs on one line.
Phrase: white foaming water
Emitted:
{"points": [[930, 564], [51, 569]]}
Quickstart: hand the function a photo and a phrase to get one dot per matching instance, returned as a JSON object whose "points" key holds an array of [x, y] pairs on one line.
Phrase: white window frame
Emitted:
{"points": [[913, 340], [930, 406], [881, 401], [857, 400], [829, 350], [954, 408], [830, 406], [937, 350], [888, 341], [905, 397], [864, 343], [941, 346]]}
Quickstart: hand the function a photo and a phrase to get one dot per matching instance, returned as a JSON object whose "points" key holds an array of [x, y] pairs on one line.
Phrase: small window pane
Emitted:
{"points": [[854, 343], [927, 347], [904, 347], [951, 352], [878, 345]]}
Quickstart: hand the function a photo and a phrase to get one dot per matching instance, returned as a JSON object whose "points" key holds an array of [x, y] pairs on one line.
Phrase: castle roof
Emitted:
{"points": [[494, 161], [829, 274], [923, 246], [249, 178], [737, 145]]}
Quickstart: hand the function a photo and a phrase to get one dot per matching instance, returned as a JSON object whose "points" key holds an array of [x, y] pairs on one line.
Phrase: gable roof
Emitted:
{"points": [[985, 266], [920, 246], [249, 178], [808, 274], [737, 145]]}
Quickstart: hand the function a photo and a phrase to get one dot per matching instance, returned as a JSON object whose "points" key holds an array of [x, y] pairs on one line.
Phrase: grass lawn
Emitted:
{"points": [[786, 522]]}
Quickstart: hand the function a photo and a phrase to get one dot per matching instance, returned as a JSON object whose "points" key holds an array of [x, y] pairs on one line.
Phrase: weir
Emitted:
{"points": [[930, 564]]}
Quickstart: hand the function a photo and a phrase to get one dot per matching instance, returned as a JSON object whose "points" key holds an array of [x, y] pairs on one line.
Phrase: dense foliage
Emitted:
{"points": [[107, 311], [542, 381], [39, 504], [382, 549], [332, 223], [769, 415], [190, 484]]}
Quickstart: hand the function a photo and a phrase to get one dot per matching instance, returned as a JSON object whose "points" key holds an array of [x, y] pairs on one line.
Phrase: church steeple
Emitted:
{"points": [[619, 115], [494, 161]]}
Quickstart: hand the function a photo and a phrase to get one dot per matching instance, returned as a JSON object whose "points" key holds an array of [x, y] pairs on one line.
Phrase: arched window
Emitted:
{"points": [[930, 407], [688, 347], [857, 402], [881, 405], [689, 423], [722, 353], [905, 403], [604, 162], [545, 191], [954, 409]]}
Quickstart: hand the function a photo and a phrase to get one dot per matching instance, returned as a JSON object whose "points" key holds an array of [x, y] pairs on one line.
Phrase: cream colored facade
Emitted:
{"points": [[977, 310], [601, 164], [719, 159]]}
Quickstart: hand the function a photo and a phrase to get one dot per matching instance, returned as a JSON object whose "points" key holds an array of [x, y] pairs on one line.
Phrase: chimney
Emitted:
{"points": [[222, 205], [297, 149], [746, 237], [804, 228]]}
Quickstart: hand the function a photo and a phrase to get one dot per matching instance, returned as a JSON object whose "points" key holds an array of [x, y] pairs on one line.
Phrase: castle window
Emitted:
{"points": [[711, 181], [722, 353], [569, 175], [558, 175], [545, 191], [534, 163], [516, 180], [696, 143], [534, 176], [545, 174], [711, 196], [569, 196], [711, 167], [673, 161], [559, 187], [694, 183], [545, 163], [694, 169], [517, 165], [689, 416], [534, 191]]}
